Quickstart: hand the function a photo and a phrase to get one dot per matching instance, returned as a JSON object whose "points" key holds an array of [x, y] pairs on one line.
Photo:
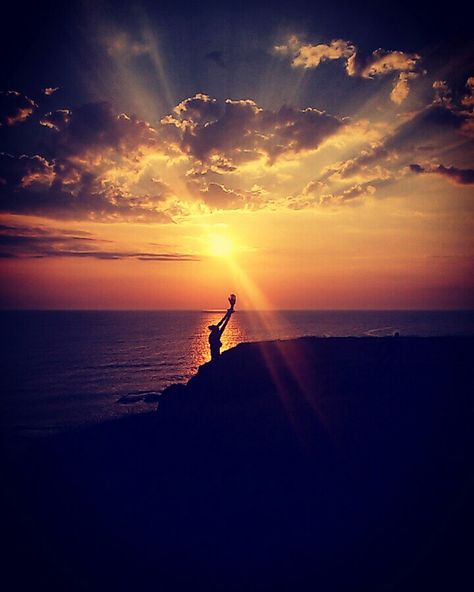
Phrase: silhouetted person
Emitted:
{"points": [[217, 330]]}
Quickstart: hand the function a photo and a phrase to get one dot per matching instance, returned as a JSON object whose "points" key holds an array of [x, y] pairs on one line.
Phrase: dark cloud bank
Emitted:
{"points": [[69, 177], [68, 180]]}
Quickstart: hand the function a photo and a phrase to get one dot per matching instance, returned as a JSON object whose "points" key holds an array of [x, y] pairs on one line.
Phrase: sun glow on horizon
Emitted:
{"points": [[220, 245]]}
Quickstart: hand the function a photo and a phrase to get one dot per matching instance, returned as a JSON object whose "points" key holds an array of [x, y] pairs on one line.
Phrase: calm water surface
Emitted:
{"points": [[70, 368]]}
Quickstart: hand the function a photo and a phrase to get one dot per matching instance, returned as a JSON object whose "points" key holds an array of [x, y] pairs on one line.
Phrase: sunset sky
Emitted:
{"points": [[307, 155]]}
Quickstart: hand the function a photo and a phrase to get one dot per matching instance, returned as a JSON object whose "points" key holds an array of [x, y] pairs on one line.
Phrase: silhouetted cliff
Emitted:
{"points": [[311, 464]]}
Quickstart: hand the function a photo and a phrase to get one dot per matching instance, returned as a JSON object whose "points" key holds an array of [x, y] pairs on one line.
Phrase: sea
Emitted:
{"points": [[62, 369]]}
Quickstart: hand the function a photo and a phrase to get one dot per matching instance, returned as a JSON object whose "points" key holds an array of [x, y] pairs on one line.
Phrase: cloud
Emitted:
{"points": [[460, 108], [316, 193], [50, 90], [401, 88], [24, 171], [468, 99], [366, 166], [443, 95], [448, 112], [227, 134], [382, 62], [15, 107], [96, 127], [88, 170], [348, 195], [351, 180], [197, 109], [466, 108], [453, 174], [218, 197], [57, 120], [310, 56], [20, 242], [388, 160], [63, 190], [95, 163], [379, 63]]}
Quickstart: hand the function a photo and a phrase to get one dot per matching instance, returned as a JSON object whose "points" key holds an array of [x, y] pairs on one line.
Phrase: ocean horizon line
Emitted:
{"points": [[249, 310]]}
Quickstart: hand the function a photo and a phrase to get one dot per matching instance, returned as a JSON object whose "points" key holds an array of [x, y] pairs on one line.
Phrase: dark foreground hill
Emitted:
{"points": [[312, 464]]}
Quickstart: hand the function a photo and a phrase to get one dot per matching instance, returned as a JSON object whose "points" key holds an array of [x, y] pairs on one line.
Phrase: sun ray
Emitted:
{"points": [[267, 318]]}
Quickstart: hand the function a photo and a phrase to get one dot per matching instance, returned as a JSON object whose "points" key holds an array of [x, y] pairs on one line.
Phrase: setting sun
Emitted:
{"points": [[220, 245]]}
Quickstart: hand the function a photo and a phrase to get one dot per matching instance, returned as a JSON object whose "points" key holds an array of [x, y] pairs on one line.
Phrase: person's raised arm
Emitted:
{"points": [[226, 319], [227, 314]]}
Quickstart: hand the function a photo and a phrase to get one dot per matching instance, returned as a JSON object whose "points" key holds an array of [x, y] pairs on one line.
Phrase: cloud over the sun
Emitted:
{"points": [[227, 134], [93, 162]]}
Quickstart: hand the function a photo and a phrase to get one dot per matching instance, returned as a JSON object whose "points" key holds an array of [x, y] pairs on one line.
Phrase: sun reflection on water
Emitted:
{"points": [[232, 336]]}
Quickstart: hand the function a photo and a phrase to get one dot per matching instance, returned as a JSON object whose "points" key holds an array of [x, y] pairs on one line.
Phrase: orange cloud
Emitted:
{"points": [[15, 107], [401, 88], [379, 63], [310, 56]]}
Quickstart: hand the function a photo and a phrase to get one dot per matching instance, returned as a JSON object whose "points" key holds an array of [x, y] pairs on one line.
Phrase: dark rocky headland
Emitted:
{"points": [[310, 464]]}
